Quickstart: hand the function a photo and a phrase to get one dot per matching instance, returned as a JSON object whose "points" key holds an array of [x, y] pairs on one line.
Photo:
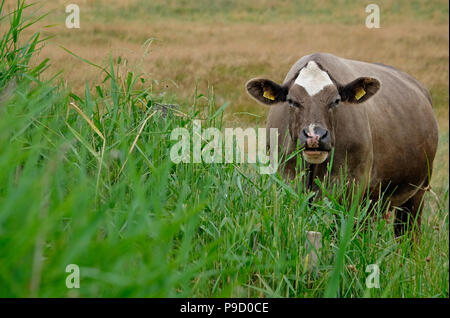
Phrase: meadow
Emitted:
{"points": [[85, 172]]}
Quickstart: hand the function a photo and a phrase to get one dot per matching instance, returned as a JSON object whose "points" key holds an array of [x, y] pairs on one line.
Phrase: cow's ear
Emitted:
{"points": [[359, 90], [265, 91]]}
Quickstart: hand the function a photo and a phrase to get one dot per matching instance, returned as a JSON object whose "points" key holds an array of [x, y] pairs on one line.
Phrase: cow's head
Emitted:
{"points": [[312, 97]]}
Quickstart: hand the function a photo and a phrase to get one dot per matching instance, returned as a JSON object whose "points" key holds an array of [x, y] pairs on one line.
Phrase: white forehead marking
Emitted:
{"points": [[313, 79]]}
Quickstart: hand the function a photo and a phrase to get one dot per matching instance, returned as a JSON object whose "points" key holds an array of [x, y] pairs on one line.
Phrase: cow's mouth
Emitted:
{"points": [[315, 155]]}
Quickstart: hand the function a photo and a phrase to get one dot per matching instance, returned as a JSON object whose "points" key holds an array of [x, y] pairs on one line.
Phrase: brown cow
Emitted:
{"points": [[378, 120]]}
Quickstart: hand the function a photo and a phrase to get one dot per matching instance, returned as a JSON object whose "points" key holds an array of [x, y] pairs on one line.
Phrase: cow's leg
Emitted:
{"points": [[409, 217]]}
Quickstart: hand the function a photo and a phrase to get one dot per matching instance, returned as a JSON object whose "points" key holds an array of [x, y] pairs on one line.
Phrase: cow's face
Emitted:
{"points": [[313, 97]]}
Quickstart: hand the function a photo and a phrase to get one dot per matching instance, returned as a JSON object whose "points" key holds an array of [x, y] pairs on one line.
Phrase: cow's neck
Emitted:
{"points": [[311, 175]]}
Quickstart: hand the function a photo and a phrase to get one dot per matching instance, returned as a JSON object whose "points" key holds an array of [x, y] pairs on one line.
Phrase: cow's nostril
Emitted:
{"points": [[305, 133], [324, 134]]}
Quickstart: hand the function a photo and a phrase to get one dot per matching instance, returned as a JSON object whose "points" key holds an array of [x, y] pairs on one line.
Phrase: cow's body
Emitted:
{"points": [[389, 141]]}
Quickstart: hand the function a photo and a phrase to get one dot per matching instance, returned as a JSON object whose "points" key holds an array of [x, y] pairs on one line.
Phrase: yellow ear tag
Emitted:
{"points": [[268, 94], [360, 93]]}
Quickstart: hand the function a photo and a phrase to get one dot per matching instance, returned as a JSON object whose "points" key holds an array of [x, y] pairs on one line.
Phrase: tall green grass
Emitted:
{"points": [[88, 180]]}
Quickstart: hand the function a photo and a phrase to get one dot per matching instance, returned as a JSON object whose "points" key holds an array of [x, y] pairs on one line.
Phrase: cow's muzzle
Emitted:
{"points": [[316, 142]]}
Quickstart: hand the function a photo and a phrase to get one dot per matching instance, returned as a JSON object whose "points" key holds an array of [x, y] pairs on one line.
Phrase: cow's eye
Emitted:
{"points": [[335, 103], [293, 103]]}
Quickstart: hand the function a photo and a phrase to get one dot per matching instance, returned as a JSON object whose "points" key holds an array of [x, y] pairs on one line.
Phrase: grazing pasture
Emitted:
{"points": [[86, 176]]}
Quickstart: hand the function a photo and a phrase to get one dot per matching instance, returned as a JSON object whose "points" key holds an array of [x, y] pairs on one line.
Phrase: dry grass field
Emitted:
{"points": [[225, 49]]}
